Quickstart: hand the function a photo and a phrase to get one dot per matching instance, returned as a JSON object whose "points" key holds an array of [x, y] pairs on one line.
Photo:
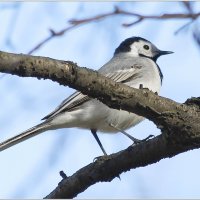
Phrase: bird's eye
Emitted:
{"points": [[146, 47]]}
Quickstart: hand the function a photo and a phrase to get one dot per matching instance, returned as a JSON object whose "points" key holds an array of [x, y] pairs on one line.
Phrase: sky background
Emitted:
{"points": [[31, 169]]}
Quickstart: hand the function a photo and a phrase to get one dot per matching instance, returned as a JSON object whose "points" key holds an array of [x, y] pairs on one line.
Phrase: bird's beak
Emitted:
{"points": [[164, 52], [159, 53]]}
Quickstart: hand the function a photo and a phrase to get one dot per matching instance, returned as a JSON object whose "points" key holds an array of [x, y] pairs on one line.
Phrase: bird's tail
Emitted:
{"points": [[24, 135]]}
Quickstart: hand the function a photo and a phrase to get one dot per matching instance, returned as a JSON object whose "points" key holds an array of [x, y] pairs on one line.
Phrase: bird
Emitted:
{"points": [[133, 64]]}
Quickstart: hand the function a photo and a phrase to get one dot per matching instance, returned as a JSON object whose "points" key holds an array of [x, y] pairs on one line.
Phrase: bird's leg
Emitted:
{"points": [[135, 140], [143, 88], [94, 133]]}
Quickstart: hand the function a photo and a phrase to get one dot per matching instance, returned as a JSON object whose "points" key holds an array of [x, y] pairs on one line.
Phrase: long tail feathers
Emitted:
{"points": [[24, 136]]}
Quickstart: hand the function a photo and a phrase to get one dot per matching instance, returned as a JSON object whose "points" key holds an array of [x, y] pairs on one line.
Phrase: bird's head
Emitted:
{"points": [[140, 47]]}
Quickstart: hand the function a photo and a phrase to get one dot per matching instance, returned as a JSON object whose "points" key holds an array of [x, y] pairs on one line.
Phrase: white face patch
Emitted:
{"points": [[134, 50], [142, 48]]}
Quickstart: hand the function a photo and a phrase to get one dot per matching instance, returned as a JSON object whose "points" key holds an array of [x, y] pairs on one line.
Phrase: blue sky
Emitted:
{"points": [[31, 169]]}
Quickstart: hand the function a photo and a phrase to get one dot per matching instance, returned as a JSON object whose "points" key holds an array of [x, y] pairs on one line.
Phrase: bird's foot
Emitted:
{"points": [[142, 87], [137, 141], [101, 158]]}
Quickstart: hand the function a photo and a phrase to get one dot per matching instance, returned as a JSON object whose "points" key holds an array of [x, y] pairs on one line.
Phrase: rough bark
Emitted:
{"points": [[179, 123], [106, 169]]}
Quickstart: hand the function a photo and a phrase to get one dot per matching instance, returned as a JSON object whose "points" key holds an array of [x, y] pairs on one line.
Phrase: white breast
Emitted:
{"points": [[149, 76]]}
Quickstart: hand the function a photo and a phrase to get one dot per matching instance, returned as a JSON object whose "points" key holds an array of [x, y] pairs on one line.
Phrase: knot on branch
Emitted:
{"points": [[193, 101], [62, 174], [117, 10]]}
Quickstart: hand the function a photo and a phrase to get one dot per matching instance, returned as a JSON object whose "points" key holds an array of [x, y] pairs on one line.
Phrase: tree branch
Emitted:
{"points": [[106, 169], [117, 11], [179, 123], [115, 95], [67, 73]]}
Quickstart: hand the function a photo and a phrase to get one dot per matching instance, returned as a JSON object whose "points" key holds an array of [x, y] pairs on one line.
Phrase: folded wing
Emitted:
{"points": [[76, 99]]}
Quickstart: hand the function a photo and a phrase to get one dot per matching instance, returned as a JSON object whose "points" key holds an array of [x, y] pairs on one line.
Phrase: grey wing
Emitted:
{"points": [[69, 104], [77, 98]]}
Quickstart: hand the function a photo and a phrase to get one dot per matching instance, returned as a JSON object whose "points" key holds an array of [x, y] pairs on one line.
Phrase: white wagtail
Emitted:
{"points": [[134, 64]]}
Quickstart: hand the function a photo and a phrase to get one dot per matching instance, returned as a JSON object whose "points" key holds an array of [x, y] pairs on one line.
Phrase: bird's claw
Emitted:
{"points": [[101, 158], [137, 141]]}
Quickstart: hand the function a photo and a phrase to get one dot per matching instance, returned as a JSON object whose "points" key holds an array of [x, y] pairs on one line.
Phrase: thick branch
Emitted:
{"points": [[116, 95], [106, 169], [180, 123], [88, 81]]}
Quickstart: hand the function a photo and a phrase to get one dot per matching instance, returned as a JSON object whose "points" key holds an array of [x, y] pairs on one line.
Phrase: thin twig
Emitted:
{"points": [[74, 24], [52, 35], [117, 11], [188, 5], [164, 17], [196, 36], [183, 27]]}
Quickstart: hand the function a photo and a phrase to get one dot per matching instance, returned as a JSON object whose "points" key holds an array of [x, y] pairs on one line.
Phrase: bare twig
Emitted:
{"points": [[52, 35], [196, 36], [97, 17], [117, 11], [188, 5], [74, 24], [163, 17], [183, 27]]}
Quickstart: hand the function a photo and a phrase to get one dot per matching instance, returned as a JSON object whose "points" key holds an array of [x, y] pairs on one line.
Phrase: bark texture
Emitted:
{"points": [[179, 123]]}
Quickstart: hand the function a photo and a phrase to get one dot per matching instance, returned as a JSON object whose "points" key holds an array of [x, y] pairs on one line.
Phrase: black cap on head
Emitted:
{"points": [[125, 45]]}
